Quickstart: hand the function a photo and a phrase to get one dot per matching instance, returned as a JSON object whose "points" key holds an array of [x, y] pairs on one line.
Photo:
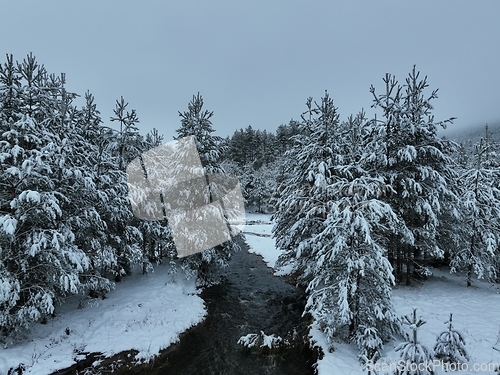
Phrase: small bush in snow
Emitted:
{"points": [[416, 357], [370, 344], [450, 345]]}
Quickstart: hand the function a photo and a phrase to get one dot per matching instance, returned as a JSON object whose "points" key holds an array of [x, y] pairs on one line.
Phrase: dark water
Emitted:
{"points": [[249, 300]]}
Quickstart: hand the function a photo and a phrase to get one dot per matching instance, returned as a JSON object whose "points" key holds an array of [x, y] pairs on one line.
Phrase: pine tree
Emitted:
{"points": [[450, 345], [196, 122], [129, 142], [417, 164], [40, 262], [122, 146], [86, 201], [302, 205], [351, 279], [281, 143], [10, 93], [251, 144], [480, 197], [267, 148], [284, 136], [236, 148], [415, 356], [154, 139], [350, 290], [370, 345], [156, 236], [259, 187]]}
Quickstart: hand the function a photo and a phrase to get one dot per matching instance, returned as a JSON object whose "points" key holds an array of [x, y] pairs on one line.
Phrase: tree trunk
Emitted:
{"points": [[409, 250], [355, 309], [469, 275], [390, 255], [399, 271], [470, 266], [408, 266]]}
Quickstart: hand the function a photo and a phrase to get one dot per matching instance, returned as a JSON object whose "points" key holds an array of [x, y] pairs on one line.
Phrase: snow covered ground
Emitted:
{"points": [[145, 312], [476, 313], [258, 236]]}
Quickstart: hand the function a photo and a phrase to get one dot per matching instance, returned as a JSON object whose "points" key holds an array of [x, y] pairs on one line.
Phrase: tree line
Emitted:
{"points": [[66, 224]]}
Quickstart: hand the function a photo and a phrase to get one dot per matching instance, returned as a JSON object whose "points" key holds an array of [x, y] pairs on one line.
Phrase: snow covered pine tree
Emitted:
{"points": [[450, 345], [480, 207], [207, 265], [417, 164], [350, 287], [416, 358], [302, 204]]}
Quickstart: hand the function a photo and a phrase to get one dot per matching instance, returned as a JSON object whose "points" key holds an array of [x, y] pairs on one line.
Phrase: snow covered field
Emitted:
{"points": [[145, 312], [476, 313]]}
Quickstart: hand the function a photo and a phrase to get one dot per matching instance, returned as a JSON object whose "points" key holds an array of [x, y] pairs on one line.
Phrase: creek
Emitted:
{"points": [[249, 300]]}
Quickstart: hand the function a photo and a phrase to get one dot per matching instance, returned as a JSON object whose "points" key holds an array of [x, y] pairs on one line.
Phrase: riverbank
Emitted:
{"points": [[145, 313]]}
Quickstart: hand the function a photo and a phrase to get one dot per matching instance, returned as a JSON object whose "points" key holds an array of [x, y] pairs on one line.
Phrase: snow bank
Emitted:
{"points": [[258, 236], [145, 312]]}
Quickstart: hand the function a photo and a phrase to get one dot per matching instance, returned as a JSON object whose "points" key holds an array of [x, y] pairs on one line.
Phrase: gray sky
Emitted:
{"points": [[256, 62]]}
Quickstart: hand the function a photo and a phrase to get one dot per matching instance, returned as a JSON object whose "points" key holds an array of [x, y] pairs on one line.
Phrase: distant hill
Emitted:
{"points": [[473, 134]]}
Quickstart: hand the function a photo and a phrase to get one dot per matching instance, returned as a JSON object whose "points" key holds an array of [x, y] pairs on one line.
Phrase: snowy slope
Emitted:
{"points": [[144, 312]]}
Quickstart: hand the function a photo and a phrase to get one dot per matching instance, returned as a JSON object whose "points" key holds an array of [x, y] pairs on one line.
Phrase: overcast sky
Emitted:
{"points": [[256, 62]]}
